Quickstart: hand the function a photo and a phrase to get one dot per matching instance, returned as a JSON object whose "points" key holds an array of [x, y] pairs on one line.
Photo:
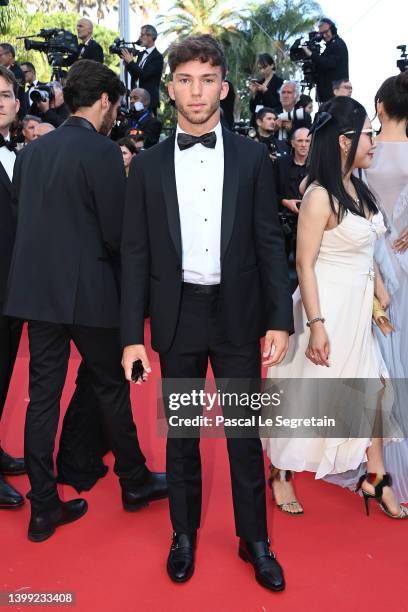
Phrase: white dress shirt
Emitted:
{"points": [[145, 55], [7, 159], [199, 182]]}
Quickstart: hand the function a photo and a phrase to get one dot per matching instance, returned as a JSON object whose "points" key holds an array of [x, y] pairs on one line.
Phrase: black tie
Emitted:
{"points": [[185, 141], [7, 143]]}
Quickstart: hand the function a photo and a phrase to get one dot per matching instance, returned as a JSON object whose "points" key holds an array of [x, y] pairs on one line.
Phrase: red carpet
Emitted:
{"points": [[335, 558]]}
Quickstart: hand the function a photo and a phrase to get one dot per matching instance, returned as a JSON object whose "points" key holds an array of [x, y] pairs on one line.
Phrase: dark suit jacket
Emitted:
{"points": [[254, 292], [93, 51], [149, 76], [8, 222], [68, 232], [331, 65]]}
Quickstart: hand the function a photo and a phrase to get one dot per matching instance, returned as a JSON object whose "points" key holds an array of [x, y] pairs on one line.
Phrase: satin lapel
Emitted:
{"points": [[230, 190], [4, 178], [170, 193]]}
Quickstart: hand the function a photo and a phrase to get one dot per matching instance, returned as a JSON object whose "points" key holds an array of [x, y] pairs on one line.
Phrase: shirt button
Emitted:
{"points": [[206, 250], [203, 188], [205, 219]]}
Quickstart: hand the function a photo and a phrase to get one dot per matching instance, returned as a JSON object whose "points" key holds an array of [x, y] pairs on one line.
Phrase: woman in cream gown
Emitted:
{"points": [[336, 238]]}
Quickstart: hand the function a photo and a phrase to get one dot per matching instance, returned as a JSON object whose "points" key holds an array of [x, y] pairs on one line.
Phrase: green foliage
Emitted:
{"points": [[23, 24]]}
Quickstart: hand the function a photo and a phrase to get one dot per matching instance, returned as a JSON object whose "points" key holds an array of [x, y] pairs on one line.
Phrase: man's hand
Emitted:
{"points": [[291, 205], [43, 107], [275, 347], [131, 354], [127, 56], [307, 52]]}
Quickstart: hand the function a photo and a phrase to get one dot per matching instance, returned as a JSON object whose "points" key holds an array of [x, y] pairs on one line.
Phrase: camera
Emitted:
{"points": [[42, 93], [299, 113], [402, 63], [60, 46], [296, 55], [120, 45], [244, 129]]}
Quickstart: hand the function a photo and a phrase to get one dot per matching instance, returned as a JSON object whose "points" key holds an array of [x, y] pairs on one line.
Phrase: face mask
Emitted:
{"points": [[138, 106]]}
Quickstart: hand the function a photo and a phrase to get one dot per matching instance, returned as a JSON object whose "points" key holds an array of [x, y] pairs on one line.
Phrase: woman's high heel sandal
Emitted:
{"points": [[379, 481], [293, 507]]}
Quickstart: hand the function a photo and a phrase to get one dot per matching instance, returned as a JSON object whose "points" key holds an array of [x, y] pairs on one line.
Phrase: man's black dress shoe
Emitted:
{"points": [[9, 497], [268, 572], [155, 487], [180, 563], [44, 523], [11, 466]]}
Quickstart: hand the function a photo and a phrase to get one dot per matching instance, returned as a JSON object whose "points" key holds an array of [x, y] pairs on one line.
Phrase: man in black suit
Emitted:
{"points": [[88, 48], [201, 235], [31, 81], [10, 329], [63, 280], [146, 70]]}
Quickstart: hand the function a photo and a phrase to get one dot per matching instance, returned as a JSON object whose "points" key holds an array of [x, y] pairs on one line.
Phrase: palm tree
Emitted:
{"points": [[198, 17], [145, 9]]}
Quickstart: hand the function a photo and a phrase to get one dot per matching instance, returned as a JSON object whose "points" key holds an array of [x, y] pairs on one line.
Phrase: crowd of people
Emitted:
{"points": [[196, 232]]}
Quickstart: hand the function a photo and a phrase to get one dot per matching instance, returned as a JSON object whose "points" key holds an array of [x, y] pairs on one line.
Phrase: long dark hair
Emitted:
{"points": [[339, 115]]}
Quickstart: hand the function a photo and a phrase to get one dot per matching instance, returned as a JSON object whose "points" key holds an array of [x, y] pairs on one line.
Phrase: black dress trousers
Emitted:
{"points": [[200, 337], [101, 353]]}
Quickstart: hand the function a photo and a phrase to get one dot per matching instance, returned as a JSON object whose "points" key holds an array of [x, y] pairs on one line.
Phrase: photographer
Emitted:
{"points": [[291, 118], [31, 81], [265, 91], [291, 171], [332, 64], [49, 104], [139, 121], [146, 69], [89, 48], [266, 127]]}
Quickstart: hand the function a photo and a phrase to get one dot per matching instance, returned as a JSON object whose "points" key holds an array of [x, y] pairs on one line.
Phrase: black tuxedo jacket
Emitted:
{"points": [[8, 222], [254, 292], [92, 51], [70, 186], [149, 76]]}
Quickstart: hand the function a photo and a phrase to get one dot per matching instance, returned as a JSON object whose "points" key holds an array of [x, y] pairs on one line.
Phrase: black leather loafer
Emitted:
{"points": [[43, 524], [9, 497], [155, 487], [268, 572], [180, 563]]}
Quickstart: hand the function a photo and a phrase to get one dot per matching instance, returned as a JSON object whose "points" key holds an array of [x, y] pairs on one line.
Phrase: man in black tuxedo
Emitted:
{"points": [[88, 48], [146, 69], [10, 329], [201, 235], [63, 280]]}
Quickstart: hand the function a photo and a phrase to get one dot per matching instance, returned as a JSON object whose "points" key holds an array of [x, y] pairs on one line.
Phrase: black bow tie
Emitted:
{"points": [[185, 141], [7, 143]]}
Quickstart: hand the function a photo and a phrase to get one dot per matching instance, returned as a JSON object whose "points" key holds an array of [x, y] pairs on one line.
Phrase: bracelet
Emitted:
{"points": [[315, 320]]}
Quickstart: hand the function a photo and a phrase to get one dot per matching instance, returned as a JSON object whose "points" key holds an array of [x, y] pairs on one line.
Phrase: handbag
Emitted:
{"points": [[381, 319]]}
